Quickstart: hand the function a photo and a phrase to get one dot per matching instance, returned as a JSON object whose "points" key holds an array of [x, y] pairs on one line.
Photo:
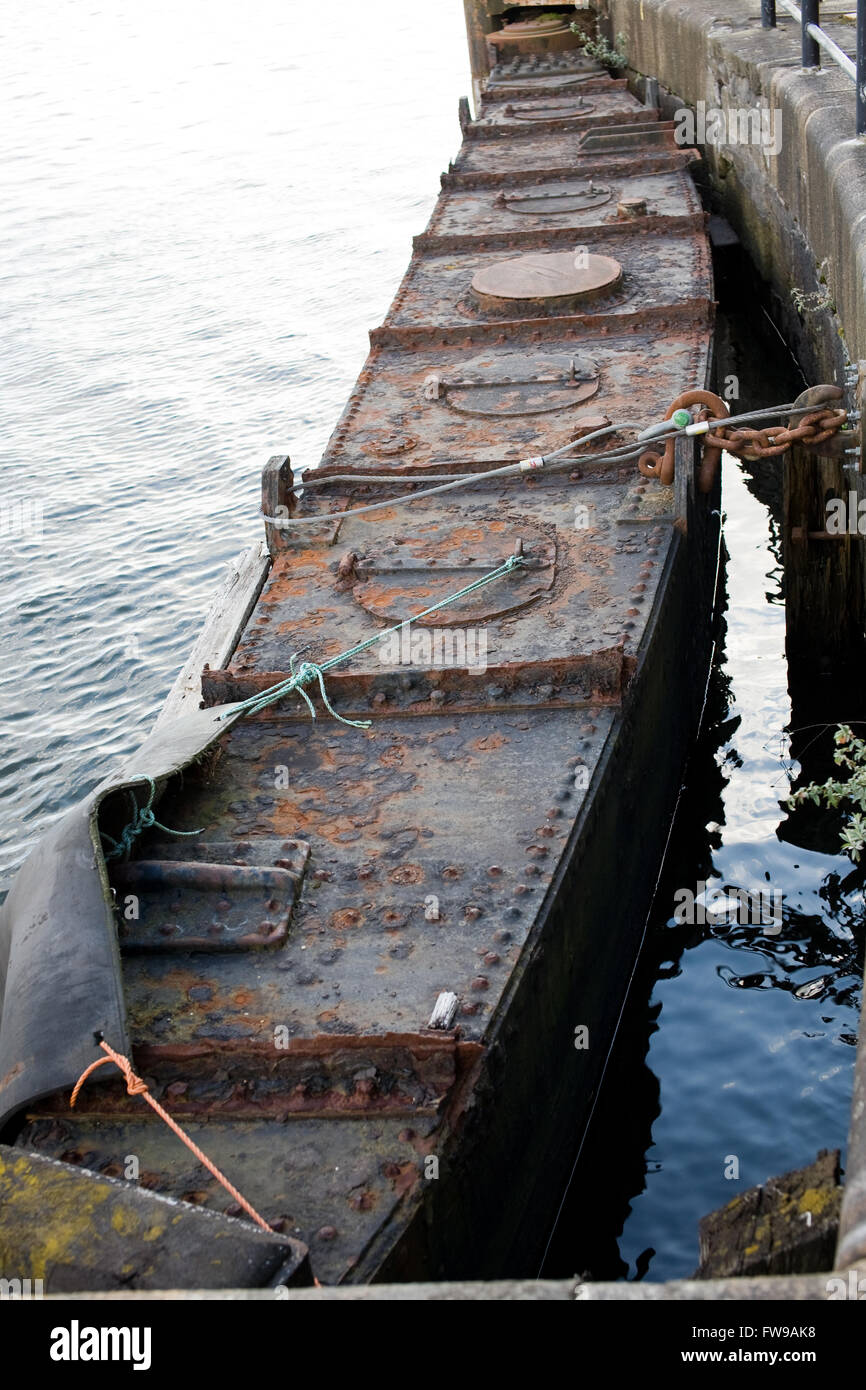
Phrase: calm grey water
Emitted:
{"points": [[204, 208]]}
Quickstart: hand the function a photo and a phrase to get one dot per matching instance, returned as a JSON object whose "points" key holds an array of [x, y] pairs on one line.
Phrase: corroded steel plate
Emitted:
{"points": [[540, 155], [539, 67], [515, 81], [396, 579], [395, 400], [561, 281], [365, 954], [437, 291], [509, 89], [312, 597], [489, 392], [333, 1182], [236, 896], [527, 117], [568, 202]]}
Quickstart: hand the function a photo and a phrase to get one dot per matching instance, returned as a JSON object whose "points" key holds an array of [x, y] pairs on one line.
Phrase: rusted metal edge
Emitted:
{"points": [[517, 130], [499, 92], [653, 160], [329, 1076], [426, 1041], [658, 224], [585, 420], [558, 683], [658, 317]]}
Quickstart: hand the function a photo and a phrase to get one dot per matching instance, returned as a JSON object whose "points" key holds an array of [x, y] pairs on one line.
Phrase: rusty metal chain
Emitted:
{"points": [[744, 442], [769, 442]]}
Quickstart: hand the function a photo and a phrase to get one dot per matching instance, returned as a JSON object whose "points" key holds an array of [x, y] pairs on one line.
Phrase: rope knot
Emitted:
{"points": [[309, 672], [134, 1084], [142, 820], [136, 1087]]}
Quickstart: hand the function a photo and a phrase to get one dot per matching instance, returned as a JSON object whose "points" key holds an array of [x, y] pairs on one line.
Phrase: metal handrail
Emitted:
{"points": [[813, 39]]}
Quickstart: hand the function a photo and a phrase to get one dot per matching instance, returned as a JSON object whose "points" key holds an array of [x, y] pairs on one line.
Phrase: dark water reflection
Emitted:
{"points": [[739, 1041]]}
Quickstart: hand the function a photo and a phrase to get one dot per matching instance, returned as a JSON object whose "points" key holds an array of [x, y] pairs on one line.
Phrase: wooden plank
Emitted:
{"points": [[222, 630]]}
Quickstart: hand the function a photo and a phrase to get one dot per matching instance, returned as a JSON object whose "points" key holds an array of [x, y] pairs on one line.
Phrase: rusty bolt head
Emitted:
{"points": [[479, 984], [326, 1233]]}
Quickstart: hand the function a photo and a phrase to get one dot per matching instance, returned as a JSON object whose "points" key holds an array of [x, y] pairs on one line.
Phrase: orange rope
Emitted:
{"points": [[136, 1087]]}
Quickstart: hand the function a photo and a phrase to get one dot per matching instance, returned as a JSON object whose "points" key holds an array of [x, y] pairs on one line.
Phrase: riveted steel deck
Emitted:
{"points": [[278, 980]]}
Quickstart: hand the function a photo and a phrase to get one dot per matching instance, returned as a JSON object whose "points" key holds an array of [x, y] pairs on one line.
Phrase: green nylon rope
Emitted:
{"points": [[310, 671], [306, 674], [141, 821]]}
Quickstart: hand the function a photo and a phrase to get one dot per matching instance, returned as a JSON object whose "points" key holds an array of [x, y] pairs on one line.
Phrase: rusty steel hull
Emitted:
{"points": [[494, 833]]}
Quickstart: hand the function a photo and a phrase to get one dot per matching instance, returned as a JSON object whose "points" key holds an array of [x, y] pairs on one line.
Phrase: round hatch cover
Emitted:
{"points": [[573, 110], [566, 198], [559, 280], [541, 24]]}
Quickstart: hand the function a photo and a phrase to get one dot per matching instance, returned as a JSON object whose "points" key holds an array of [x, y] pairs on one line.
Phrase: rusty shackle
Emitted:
{"points": [[653, 465]]}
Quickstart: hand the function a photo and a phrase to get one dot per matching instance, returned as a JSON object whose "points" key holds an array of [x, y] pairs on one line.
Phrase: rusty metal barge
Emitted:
{"points": [[378, 985]]}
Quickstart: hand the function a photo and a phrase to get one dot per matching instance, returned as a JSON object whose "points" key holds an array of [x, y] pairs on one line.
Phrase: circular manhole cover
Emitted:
{"points": [[542, 24], [566, 198], [573, 110], [559, 280]]}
